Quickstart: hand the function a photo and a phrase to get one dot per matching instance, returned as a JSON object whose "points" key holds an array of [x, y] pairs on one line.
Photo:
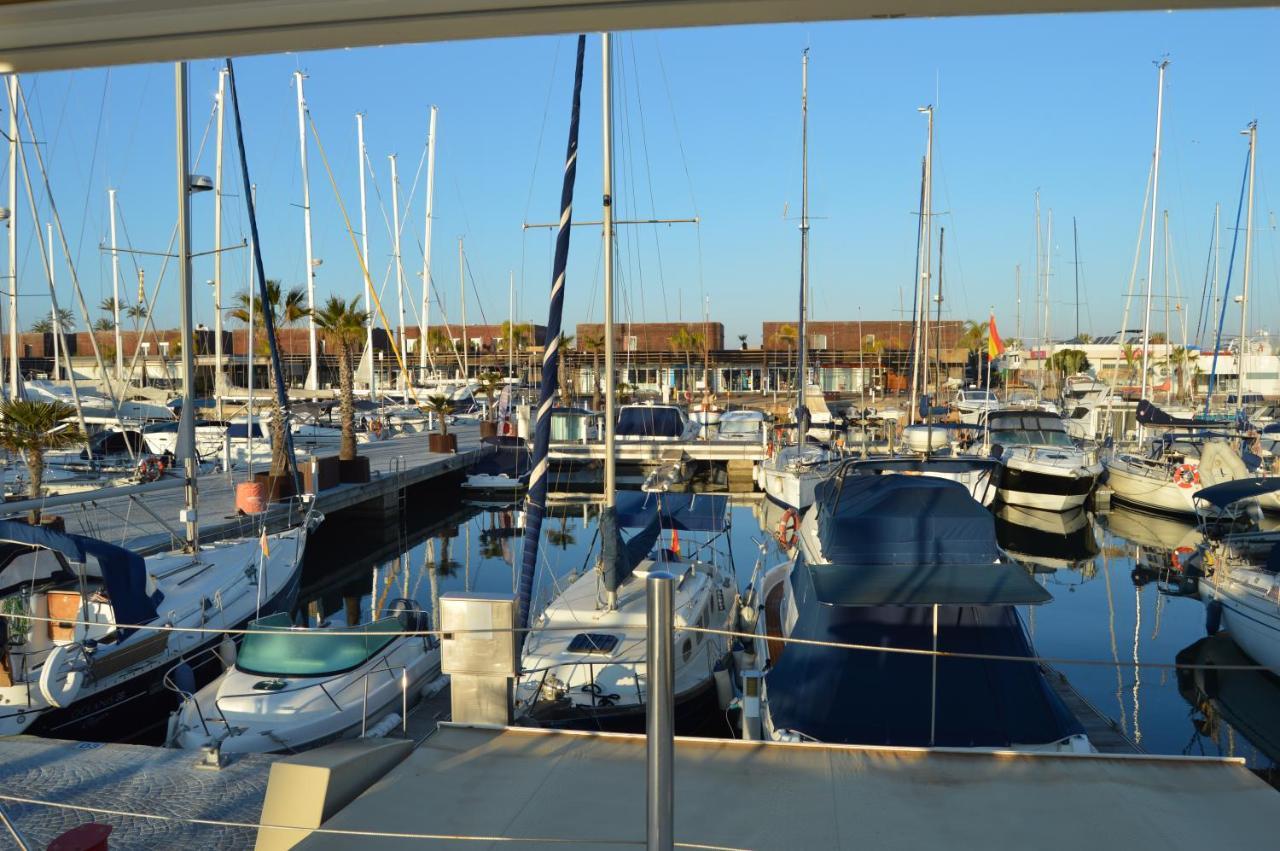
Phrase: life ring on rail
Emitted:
{"points": [[1186, 476], [375, 426], [506, 427], [62, 675], [150, 469], [1178, 557], [787, 526]]}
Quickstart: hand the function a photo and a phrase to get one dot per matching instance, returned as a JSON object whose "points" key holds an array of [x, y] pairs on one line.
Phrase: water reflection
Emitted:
{"points": [[1086, 561]]}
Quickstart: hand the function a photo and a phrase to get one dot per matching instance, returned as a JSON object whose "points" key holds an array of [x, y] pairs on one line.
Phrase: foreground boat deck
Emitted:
{"points": [[589, 789]]}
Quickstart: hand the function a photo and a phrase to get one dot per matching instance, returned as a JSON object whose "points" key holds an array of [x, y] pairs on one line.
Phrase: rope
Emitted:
{"points": [[332, 831], [728, 633]]}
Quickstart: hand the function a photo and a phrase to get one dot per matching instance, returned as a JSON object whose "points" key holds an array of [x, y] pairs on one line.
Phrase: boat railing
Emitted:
{"points": [[599, 700]]}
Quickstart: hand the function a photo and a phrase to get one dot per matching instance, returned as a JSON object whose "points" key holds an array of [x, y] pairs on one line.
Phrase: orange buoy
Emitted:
{"points": [[251, 498]]}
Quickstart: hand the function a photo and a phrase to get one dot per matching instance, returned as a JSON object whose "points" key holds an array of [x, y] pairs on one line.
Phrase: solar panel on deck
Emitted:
{"points": [[593, 642]]}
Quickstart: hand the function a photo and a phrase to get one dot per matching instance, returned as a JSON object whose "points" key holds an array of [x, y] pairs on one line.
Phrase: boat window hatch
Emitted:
{"points": [[593, 642]]}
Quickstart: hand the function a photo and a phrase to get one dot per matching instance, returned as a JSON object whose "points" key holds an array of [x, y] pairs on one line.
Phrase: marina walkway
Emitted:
{"points": [[148, 522]]}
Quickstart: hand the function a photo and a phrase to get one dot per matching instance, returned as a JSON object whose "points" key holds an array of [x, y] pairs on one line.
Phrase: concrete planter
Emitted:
{"points": [[355, 471]]}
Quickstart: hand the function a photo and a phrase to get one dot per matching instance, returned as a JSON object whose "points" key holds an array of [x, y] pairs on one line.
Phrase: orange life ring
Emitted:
{"points": [[787, 526], [506, 427], [150, 469], [375, 426], [1186, 476], [1178, 555]]}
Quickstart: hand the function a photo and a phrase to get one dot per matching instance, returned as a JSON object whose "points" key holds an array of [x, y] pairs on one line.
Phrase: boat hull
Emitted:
{"points": [[1149, 492], [1046, 491]]}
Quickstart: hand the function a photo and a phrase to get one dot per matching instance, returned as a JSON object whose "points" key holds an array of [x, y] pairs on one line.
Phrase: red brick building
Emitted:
{"points": [[654, 336], [845, 336]]}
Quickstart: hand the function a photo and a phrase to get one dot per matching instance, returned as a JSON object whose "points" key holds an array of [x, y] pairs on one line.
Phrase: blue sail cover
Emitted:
{"points": [[878, 698], [124, 572], [650, 421], [905, 520], [510, 456], [622, 557]]}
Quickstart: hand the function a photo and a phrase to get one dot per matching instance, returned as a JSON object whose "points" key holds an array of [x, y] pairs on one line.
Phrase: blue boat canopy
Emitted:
{"points": [[1004, 584], [1220, 496], [684, 512], [650, 421], [911, 521], [124, 572]]}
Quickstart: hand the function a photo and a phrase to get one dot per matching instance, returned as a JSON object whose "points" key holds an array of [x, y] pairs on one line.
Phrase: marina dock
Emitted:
{"points": [[147, 521]]}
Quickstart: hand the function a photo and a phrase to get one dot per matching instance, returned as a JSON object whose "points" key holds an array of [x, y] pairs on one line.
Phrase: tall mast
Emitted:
{"points": [[364, 252], [53, 309], [12, 223], [187, 438], [1252, 132], [1217, 210], [606, 109], [1075, 253], [1151, 247], [1038, 284], [395, 236], [219, 380], [926, 249], [511, 323], [462, 292], [115, 287], [802, 414], [424, 316], [313, 375], [1167, 338], [1017, 294], [1048, 271]]}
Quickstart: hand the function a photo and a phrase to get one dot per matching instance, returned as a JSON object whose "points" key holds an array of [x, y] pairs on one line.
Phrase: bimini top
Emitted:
{"points": [[124, 572], [650, 421], [1234, 490], [912, 541]]}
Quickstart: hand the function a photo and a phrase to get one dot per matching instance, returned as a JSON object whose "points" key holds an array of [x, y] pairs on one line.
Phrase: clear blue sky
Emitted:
{"points": [[708, 124]]}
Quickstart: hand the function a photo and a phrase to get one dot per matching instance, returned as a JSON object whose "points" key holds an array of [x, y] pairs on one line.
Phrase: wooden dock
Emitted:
{"points": [[1104, 733], [660, 451], [148, 522]]}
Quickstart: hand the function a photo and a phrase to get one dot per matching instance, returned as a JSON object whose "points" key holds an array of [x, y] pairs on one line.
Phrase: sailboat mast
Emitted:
{"points": [[926, 249], [462, 292], [425, 357], [1167, 338], [56, 325], [1075, 254], [115, 286], [12, 224], [802, 350], [1048, 271], [187, 424], [313, 376], [219, 386], [1151, 246], [395, 237], [364, 252], [606, 93], [1252, 133]]}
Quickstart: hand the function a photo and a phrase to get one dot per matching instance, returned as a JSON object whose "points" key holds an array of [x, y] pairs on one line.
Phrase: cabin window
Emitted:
{"points": [[687, 649]]}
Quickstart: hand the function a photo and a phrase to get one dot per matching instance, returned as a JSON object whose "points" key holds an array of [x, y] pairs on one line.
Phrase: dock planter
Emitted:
{"points": [[488, 428], [443, 442], [276, 488], [320, 474], [355, 471]]}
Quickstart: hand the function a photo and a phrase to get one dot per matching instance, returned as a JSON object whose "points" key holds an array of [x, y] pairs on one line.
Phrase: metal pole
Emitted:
{"points": [[395, 236], [1252, 132], [660, 711], [610, 385], [115, 287], [53, 310], [1151, 247], [187, 439], [12, 829], [313, 375], [253, 284], [462, 291], [219, 380], [933, 687], [364, 251], [1048, 270], [424, 318], [802, 342], [14, 373]]}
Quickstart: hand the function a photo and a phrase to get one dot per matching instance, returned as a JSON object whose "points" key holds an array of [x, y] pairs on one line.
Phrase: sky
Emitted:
{"points": [[707, 125]]}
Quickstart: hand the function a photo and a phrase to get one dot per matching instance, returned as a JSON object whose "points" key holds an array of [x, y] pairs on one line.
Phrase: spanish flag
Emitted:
{"points": [[262, 542], [995, 346]]}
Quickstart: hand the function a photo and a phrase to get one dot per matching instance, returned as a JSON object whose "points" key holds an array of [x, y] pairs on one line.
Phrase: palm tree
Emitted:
{"points": [[136, 312], [787, 335], [286, 308], [594, 343], [344, 324], [1131, 357], [103, 324], [684, 340], [441, 407], [742, 341], [972, 335], [566, 392], [43, 325], [490, 384], [1178, 361], [34, 428]]}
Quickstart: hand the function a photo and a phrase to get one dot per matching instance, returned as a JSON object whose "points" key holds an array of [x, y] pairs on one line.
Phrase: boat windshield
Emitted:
{"points": [[270, 651], [736, 426], [1029, 429]]}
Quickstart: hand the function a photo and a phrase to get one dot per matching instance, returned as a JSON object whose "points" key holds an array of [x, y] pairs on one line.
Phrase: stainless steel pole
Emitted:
{"points": [[14, 379], [660, 711], [610, 386], [219, 380], [313, 369], [115, 289]]}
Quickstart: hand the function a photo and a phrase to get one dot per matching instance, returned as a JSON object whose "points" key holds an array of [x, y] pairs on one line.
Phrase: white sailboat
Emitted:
{"points": [[583, 660], [791, 472]]}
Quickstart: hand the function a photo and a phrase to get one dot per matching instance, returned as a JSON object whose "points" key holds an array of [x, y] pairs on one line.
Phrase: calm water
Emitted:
{"points": [[1088, 564]]}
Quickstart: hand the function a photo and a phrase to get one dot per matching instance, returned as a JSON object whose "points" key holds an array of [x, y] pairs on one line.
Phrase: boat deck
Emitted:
{"points": [[589, 789]]}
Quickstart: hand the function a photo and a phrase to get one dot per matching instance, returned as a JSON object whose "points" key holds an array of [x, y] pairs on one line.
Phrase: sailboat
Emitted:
{"points": [[92, 629], [583, 659], [791, 472]]}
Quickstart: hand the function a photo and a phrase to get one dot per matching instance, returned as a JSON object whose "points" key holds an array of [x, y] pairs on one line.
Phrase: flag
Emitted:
{"points": [[262, 542], [675, 541], [995, 346]]}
